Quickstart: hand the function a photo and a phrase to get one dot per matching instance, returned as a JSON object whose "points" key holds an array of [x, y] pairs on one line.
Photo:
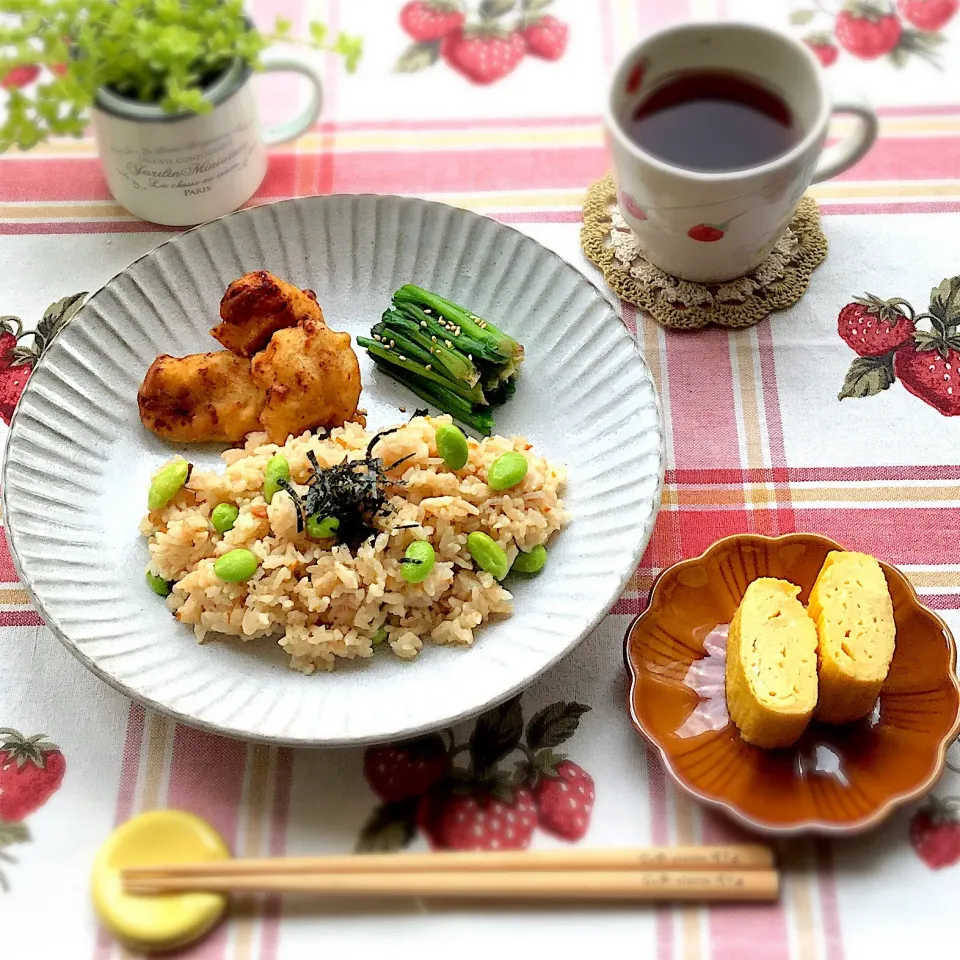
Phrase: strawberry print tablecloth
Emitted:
{"points": [[836, 416]]}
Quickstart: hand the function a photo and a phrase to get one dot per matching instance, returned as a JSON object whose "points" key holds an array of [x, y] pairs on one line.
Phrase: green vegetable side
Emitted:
{"points": [[448, 356]]}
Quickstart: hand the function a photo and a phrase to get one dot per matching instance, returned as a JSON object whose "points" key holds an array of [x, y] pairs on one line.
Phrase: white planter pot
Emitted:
{"points": [[181, 169]]}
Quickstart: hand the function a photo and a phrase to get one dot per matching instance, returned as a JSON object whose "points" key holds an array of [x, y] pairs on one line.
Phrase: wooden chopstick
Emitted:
{"points": [[638, 885], [735, 857]]}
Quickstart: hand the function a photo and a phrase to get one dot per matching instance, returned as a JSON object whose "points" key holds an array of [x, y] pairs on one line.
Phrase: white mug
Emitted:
{"points": [[713, 226], [182, 169]]}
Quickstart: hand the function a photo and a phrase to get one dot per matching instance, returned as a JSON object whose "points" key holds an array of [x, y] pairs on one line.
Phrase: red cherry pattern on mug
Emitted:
{"points": [[706, 233], [483, 48], [629, 203], [871, 29], [31, 771], [17, 357], [935, 832], [472, 796], [893, 343]]}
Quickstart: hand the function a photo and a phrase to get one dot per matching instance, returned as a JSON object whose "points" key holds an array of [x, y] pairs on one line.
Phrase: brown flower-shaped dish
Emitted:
{"points": [[836, 779]]}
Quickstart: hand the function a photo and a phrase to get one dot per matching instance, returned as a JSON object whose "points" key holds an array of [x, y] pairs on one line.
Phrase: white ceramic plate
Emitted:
{"points": [[78, 463]]}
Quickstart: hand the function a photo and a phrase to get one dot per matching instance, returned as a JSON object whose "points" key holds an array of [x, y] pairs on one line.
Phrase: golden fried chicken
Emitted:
{"points": [[200, 398], [311, 378], [256, 306]]}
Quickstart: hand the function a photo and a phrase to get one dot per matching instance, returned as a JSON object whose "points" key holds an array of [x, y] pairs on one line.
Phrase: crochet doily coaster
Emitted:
{"points": [[779, 282]]}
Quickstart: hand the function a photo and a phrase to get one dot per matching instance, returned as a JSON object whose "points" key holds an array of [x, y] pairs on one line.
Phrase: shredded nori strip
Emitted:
{"points": [[354, 492]]}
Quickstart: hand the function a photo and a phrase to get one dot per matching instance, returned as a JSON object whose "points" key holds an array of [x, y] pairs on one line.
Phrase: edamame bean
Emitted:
{"points": [[224, 516], [322, 528], [532, 561], [167, 483], [418, 562], [507, 470], [236, 566], [379, 636], [452, 446], [488, 554], [277, 469], [158, 585]]}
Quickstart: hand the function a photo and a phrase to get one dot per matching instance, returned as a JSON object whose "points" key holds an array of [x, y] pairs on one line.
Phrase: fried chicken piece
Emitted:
{"points": [[311, 378], [204, 397], [256, 306]]}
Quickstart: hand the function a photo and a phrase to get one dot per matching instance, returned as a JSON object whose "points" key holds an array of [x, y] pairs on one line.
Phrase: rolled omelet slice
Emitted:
{"points": [[851, 606], [771, 672]]}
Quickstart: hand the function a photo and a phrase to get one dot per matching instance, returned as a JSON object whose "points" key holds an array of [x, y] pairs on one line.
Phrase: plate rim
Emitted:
{"points": [[407, 732], [811, 826]]}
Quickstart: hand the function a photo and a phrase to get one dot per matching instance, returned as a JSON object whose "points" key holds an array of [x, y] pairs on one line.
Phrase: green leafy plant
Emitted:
{"points": [[156, 51]]}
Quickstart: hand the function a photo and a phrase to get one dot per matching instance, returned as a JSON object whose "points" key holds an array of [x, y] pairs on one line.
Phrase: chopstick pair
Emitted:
{"points": [[729, 873]]}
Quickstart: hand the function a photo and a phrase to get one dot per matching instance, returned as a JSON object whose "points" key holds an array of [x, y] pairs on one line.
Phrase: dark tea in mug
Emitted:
{"points": [[713, 121]]}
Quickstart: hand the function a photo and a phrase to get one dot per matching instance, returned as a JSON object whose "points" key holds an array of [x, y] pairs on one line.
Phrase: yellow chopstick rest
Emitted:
{"points": [[153, 922]]}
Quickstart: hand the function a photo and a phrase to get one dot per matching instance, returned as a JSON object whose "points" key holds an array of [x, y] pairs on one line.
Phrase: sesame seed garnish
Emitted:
{"points": [[429, 366], [401, 356], [376, 337], [470, 356], [433, 339], [448, 343], [393, 343], [427, 310], [423, 323]]}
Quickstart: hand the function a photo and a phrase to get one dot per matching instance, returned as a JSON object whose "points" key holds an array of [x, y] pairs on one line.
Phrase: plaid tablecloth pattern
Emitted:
{"points": [[757, 440]]}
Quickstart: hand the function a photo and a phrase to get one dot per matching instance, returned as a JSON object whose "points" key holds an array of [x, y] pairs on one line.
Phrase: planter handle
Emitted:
{"points": [[303, 121]]}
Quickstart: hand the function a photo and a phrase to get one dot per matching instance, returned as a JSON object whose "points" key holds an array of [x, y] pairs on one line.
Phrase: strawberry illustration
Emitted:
{"points": [[565, 800], [21, 76], [480, 805], [13, 375], [891, 345], [935, 832], [403, 770], [30, 772], [930, 370], [929, 15], [872, 327], [546, 37], [483, 55], [821, 44], [478, 820], [868, 30], [705, 233], [16, 359], [427, 20]]}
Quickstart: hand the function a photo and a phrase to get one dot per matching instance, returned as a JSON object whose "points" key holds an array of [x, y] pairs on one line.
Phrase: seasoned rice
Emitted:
{"points": [[323, 603]]}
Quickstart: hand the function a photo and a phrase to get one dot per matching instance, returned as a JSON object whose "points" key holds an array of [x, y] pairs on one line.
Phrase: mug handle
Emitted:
{"points": [[855, 145], [275, 62]]}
